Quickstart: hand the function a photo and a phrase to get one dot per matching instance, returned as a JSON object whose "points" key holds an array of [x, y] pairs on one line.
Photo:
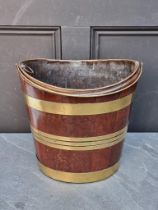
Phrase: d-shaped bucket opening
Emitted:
{"points": [[80, 74]]}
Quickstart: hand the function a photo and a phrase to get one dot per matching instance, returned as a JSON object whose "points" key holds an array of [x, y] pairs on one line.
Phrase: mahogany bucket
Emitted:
{"points": [[78, 112]]}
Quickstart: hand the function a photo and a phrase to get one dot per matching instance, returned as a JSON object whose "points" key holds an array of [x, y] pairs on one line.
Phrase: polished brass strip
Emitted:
{"points": [[79, 139], [79, 177], [78, 109], [77, 144], [79, 148]]}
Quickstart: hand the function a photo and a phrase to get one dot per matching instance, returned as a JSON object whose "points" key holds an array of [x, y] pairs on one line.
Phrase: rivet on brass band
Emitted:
{"points": [[79, 177], [78, 139], [78, 109]]}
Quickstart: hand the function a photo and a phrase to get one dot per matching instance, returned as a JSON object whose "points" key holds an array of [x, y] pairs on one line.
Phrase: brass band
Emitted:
{"points": [[79, 139], [79, 144], [78, 109], [75, 145], [79, 148], [79, 177]]}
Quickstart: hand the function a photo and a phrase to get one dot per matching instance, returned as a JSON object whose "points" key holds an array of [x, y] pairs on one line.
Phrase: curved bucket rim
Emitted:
{"points": [[79, 91], [85, 95]]}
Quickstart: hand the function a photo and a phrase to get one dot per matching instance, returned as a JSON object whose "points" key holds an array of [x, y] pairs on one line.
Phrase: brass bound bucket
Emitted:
{"points": [[78, 112]]}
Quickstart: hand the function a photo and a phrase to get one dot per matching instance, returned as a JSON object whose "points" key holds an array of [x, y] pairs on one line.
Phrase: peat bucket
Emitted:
{"points": [[78, 112]]}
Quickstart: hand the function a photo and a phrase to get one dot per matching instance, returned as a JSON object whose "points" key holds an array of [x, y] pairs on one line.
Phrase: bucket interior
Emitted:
{"points": [[79, 74]]}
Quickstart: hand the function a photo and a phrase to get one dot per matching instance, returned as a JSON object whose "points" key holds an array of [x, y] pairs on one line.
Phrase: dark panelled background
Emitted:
{"points": [[78, 29]]}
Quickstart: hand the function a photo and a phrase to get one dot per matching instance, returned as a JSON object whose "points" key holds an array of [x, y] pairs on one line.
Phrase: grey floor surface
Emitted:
{"points": [[133, 187]]}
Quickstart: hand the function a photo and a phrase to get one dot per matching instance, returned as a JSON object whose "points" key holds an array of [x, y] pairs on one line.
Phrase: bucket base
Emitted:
{"points": [[78, 177]]}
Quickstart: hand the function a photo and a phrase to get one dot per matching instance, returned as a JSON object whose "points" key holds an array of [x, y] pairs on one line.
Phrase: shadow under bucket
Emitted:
{"points": [[78, 112]]}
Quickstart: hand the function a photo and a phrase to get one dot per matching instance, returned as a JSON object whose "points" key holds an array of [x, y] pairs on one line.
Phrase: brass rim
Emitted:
{"points": [[52, 87], [78, 177], [97, 94], [106, 89]]}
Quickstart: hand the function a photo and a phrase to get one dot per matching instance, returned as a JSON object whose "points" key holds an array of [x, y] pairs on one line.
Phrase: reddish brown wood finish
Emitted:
{"points": [[79, 126], [40, 94], [78, 161]]}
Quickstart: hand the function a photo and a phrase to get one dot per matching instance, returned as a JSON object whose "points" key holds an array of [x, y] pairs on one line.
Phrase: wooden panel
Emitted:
{"points": [[139, 43], [18, 43], [75, 42]]}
